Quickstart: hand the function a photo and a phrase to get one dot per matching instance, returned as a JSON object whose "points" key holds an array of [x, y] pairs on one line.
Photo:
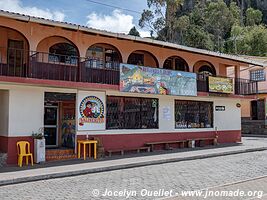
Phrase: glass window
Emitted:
{"points": [[132, 113], [257, 75], [193, 114], [63, 53], [136, 59]]}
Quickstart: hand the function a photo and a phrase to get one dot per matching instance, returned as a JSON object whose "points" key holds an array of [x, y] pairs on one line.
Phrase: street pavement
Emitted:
{"points": [[154, 181]]}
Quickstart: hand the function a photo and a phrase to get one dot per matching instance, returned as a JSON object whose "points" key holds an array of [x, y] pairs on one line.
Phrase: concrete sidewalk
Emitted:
{"points": [[70, 169]]}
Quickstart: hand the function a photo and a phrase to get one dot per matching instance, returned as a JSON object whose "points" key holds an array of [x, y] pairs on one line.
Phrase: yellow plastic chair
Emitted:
{"points": [[23, 148]]}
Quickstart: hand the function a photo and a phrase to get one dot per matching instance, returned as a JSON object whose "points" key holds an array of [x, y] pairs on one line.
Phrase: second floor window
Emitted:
{"points": [[257, 75], [63, 53]]}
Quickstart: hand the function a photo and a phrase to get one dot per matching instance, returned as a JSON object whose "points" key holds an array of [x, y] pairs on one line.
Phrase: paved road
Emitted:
{"points": [[170, 177]]}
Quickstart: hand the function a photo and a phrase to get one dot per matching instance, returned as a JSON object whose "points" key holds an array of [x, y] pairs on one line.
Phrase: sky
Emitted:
{"points": [[84, 12]]}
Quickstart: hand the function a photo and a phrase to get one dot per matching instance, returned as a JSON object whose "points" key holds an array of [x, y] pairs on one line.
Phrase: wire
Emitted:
{"points": [[111, 6]]}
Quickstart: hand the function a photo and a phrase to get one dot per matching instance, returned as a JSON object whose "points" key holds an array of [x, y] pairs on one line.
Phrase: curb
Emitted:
{"points": [[123, 166]]}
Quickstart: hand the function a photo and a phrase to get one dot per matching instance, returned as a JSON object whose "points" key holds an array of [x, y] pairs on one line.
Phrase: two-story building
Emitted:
{"points": [[76, 81], [254, 111]]}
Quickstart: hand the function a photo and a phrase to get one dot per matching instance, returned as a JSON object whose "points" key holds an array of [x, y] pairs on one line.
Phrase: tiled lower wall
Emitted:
{"points": [[253, 127], [3, 157]]}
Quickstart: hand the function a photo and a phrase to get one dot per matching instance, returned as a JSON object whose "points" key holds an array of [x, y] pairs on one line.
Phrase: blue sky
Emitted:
{"points": [[83, 12]]}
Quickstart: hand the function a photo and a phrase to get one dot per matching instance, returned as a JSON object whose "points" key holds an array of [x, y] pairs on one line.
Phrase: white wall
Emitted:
{"points": [[26, 111], [4, 109], [230, 119]]}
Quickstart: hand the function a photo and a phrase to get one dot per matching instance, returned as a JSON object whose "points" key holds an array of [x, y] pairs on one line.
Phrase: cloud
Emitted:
{"points": [[117, 22], [17, 6], [144, 33]]}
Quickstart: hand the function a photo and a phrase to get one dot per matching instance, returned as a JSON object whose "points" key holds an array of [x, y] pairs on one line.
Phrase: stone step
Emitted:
{"points": [[59, 154], [60, 157]]}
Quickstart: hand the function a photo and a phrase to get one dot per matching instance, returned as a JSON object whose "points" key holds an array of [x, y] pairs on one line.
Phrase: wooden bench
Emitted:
{"points": [[213, 139], [166, 143], [138, 149]]}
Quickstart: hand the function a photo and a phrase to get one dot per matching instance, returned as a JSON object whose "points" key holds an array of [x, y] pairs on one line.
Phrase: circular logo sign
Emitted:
{"points": [[92, 107]]}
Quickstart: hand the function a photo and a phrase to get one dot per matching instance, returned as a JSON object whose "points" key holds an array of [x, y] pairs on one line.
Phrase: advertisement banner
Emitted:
{"points": [[91, 110], [149, 80], [221, 85]]}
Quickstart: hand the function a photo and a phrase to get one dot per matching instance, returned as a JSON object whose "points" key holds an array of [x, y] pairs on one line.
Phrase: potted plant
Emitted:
{"points": [[39, 145]]}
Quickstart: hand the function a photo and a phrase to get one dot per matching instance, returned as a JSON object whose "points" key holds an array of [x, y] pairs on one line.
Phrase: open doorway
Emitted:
{"points": [[59, 120]]}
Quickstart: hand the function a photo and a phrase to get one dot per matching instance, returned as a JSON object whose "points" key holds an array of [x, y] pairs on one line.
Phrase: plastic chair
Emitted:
{"points": [[23, 148]]}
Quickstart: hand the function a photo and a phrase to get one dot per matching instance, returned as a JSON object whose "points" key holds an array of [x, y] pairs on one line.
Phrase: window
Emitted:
{"points": [[63, 53], [257, 75], [136, 59], [193, 114], [102, 57], [132, 113]]}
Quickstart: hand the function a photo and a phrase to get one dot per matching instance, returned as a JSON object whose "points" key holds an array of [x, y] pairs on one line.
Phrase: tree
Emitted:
{"points": [[218, 21], [256, 41], [157, 20], [237, 35], [197, 37], [253, 17], [134, 32], [182, 24]]}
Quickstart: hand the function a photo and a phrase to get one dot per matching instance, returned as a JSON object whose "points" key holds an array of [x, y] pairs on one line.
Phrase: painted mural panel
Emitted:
{"points": [[221, 85], [148, 80], [91, 110]]}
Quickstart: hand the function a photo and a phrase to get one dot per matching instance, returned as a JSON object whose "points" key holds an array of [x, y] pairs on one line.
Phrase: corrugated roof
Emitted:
{"points": [[29, 18]]}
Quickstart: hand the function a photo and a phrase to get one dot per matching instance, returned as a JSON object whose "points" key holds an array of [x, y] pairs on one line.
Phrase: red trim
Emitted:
{"points": [[124, 141], [82, 85], [207, 94], [120, 141], [65, 84], [8, 145]]}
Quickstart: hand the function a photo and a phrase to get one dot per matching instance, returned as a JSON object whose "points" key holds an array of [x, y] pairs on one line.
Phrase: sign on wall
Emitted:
{"points": [[221, 85], [219, 108], [91, 110], [149, 80]]}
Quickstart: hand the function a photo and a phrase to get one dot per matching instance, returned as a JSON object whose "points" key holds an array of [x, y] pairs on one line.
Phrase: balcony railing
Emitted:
{"points": [[241, 86], [94, 70], [39, 65]]}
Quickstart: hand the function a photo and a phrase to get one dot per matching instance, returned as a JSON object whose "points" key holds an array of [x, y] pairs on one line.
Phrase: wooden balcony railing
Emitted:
{"points": [[40, 65]]}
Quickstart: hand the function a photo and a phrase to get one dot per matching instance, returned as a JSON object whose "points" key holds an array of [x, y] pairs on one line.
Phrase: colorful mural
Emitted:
{"points": [[149, 80], [221, 85]]}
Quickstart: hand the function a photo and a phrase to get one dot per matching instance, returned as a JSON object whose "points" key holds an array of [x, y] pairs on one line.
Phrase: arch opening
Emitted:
{"points": [[143, 58], [14, 52], [103, 56], [205, 68], [63, 53], [57, 49], [176, 63]]}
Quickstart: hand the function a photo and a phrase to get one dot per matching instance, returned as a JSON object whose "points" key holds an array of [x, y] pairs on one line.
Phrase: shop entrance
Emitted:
{"points": [[258, 109], [59, 120]]}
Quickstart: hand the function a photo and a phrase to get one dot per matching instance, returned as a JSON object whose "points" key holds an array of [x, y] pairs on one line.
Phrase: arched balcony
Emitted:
{"points": [[101, 64], [143, 58], [56, 58], [176, 63], [203, 69], [14, 53]]}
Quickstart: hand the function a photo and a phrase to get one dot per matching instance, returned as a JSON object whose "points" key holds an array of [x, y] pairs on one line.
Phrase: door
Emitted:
{"points": [[261, 109], [254, 115], [51, 126], [15, 56], [258, 110]]}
